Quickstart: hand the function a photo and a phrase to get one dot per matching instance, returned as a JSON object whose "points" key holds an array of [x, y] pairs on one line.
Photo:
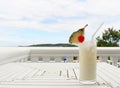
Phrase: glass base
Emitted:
{"points": [[88, 82]]}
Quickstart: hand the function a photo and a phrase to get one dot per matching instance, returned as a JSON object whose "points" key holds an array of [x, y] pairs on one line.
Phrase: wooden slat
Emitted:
{"points": [[56, 74]]}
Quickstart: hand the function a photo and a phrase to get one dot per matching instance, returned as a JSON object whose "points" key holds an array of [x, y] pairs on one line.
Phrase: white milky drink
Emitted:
{"points": [[87, 55]]}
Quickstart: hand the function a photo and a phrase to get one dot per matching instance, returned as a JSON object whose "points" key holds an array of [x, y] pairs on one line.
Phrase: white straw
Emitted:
{"points": [[97, 30]]}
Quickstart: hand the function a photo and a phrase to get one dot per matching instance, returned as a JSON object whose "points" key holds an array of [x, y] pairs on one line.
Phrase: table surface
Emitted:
{"points": [[55, 75]]}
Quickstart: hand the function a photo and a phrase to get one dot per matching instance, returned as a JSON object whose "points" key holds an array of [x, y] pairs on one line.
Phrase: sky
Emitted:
{"points": [[27, 22]]}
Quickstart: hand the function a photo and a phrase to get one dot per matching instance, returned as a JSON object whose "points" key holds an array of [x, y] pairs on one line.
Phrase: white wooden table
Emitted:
{"points": [[55, 75]]}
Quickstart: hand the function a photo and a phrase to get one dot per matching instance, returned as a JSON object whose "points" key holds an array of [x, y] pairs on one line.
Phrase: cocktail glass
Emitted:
{"points": [[87, 56]]}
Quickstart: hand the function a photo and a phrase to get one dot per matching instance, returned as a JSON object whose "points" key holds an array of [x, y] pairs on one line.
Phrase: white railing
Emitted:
{"points": [[10, 54]]}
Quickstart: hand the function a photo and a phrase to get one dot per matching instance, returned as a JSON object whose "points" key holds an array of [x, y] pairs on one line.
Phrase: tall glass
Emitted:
{"points": [[87, 54]]}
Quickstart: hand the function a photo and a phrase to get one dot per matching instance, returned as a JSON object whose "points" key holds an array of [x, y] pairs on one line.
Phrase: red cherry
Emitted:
{"points": [[81, 38]]}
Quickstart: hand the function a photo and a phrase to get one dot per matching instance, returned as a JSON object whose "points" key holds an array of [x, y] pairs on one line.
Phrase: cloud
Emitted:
{"points": [[37, 11], [58, 15], [103, 7]]}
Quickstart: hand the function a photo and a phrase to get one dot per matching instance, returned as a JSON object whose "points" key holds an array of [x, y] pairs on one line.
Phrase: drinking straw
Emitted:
{"points": [[97, 30]]}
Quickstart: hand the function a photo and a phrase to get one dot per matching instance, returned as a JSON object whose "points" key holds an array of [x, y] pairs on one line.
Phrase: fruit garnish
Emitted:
{"points": [[81, 38], [78, 36]]}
